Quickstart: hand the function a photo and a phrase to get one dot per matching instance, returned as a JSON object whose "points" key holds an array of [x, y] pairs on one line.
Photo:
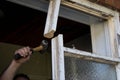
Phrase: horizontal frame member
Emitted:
{"points": [[88, 56]]}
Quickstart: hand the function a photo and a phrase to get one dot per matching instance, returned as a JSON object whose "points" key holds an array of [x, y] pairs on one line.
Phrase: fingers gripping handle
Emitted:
{"points": [[18, 56], [42, 46]]}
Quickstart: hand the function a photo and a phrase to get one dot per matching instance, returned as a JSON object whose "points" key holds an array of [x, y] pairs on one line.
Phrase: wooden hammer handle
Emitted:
{"points": [[43, 46]]}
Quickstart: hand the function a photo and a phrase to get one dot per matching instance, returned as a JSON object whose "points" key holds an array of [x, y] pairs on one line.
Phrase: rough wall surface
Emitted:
{"points": [[114, 4]]}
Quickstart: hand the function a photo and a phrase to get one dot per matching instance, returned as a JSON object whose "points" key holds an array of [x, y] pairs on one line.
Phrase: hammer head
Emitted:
{"points": [[44, 43], [42, 47]]}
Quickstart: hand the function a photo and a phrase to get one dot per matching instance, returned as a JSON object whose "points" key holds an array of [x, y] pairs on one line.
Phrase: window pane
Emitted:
{"points": [[77, 69]]}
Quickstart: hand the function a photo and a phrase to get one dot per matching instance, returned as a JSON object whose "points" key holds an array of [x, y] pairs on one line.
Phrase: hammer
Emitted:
{"points": [[43, 46]]}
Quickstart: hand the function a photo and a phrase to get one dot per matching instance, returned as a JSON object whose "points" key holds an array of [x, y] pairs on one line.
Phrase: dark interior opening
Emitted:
{"points": [[25, 26]]}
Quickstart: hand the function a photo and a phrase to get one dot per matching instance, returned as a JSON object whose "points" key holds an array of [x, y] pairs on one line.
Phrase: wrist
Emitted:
{"points": [[15, 63]]}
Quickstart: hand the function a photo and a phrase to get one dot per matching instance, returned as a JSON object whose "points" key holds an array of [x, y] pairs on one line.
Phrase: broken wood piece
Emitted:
{"points": [[52, 17]]}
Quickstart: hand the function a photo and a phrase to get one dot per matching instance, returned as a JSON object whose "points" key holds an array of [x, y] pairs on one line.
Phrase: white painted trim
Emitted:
{"points": [[98, 39], [118, 71], [109, 51], [89, 7], [117, 22], [90, 56], [100, 35], [58, 71], [52, 16], [112, 33], [117, 32]]}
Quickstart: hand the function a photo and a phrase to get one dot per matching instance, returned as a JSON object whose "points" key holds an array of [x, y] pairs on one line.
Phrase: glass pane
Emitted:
{"points": [[77, 69]]}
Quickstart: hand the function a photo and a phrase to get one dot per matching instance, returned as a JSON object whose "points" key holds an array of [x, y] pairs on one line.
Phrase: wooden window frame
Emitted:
{"points": [[110, 32]]}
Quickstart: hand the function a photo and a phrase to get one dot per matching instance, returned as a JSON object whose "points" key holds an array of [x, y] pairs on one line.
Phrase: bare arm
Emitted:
{"points": [[9, 73]]}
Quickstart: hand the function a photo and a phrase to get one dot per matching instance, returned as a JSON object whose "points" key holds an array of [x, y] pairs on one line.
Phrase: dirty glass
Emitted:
{"points": [[77, 69]]}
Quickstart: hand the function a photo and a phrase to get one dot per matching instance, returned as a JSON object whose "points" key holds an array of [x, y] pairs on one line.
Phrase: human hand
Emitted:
{"points": [[25, 53]]}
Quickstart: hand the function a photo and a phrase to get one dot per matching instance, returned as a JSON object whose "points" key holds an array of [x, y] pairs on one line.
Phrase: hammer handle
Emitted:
{"points": [[43, 46], [39, 48]]}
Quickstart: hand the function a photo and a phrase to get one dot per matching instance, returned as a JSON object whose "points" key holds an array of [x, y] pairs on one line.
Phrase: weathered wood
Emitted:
{"points": [[100, 40], [113, 35], [52, 17], [118, 71], [117, 45], [117, 33], [58, 58], [90, 56], [103, 38], [90, 8]]}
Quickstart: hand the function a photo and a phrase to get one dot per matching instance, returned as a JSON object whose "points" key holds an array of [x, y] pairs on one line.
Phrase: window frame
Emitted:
{"points": [[112, 25]]}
